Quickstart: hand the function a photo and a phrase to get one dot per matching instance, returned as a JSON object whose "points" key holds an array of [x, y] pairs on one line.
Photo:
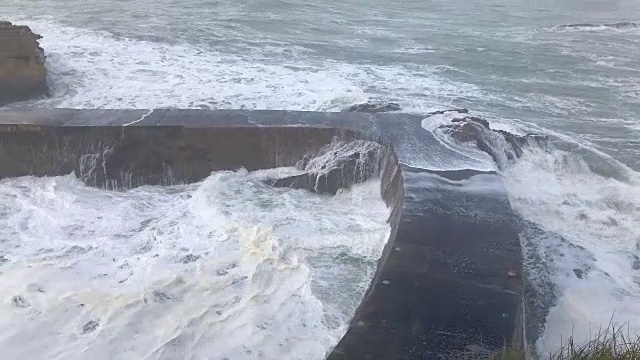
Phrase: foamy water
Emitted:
{"points": [[513, 62], [93, 69], [580, 231], [228, 268], [591, 251]]}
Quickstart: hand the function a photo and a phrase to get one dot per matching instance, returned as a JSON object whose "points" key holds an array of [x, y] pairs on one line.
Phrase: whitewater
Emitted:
{"points": [[558, 68], [226, 268]]}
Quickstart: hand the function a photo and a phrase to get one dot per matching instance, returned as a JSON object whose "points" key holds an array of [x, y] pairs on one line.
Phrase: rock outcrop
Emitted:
{"points": [[336, 166], [374, 107], [499, 144], [22, 69], [441, 112]]}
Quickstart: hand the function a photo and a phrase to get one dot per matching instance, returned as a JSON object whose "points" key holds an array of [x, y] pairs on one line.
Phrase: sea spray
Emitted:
{"points": [[580, 216], [228, 267]]}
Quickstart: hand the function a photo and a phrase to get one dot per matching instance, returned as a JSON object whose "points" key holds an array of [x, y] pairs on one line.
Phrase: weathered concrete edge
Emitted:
{"points": [[386, 129]]}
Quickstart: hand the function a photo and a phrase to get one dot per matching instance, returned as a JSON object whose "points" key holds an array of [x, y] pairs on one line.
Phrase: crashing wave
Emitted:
{"points": [[338, 165], [579, 217], [374, 107], [501, 145]]}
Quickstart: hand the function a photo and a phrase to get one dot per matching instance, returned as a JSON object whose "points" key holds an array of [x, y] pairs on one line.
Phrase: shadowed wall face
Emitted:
{"points": [[125, 157]]}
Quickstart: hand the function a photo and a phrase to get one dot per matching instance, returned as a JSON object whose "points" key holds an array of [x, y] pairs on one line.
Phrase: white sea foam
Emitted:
{"points": [[555, 190], [597, 215], [632, 124], [416, 50], [614, 28], [92, 69], [435, 121], [467, 154], [227, 268], [587, 206]]}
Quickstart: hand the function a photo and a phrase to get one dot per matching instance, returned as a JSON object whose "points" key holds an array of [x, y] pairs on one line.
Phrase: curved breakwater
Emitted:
{"points": [[438, 260], [564, 70], [470, 232]]}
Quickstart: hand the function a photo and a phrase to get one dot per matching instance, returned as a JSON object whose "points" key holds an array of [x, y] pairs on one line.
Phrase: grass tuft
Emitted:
{"points": [[609, 344], [509, 354]]}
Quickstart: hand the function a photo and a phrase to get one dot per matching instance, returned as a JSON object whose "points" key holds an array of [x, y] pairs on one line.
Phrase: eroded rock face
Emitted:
{"points": [[22, 64], [499, 144], [336, 166], [374, 107], [441, 112]]}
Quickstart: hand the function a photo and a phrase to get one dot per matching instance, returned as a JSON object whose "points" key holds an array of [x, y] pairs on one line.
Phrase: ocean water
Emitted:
{"points": [[228, 268], [514, 62]]}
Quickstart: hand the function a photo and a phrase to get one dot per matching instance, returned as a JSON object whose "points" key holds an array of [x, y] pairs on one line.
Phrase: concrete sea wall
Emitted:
{"points": [[449, 282]]}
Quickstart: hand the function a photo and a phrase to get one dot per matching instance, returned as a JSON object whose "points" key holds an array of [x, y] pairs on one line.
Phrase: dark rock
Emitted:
{"points": [[466, 132], [339, 166], [3, 259], [20, 301], [474, 120], [516, 142], [22, 70], [501, 145], [441, 112], [579, 273], [90, 326], [301, 181], [374, 107], [189, 259], [468, 128], [636, 264]]}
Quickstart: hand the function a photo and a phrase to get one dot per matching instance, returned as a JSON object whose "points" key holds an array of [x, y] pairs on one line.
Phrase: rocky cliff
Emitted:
{"points": [[22, 71]]}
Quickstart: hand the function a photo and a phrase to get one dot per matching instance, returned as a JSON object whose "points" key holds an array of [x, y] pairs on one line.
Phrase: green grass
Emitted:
{"points": [[509, 354], [609, 344]]}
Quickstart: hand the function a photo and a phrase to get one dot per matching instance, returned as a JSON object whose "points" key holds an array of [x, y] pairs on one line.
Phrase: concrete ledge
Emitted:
{"points": [[450, 278]]}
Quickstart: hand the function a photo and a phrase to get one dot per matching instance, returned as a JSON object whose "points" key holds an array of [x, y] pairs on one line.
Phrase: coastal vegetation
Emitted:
{"points": [[612, 343]]}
